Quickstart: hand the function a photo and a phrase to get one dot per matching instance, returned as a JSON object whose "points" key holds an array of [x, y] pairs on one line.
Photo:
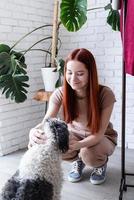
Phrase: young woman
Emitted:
{"points": [[87, 108]]}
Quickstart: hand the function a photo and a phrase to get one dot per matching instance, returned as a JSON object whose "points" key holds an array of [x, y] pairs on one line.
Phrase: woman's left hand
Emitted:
{"points": [[74, 145]]}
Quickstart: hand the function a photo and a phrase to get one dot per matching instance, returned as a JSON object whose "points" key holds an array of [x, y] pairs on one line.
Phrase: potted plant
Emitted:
{"points": [[52, 74], [13, 69]]}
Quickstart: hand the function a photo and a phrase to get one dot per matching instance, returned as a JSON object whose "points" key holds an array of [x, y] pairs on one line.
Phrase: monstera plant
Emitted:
{"points": [[13, 73], [13, 69]]}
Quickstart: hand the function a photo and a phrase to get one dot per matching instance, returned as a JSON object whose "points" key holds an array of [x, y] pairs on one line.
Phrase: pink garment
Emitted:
{"points": [[128, 36]]}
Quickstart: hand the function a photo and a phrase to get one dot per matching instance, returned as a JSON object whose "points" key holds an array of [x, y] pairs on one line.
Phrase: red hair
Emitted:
{"points": [[69, 99]]}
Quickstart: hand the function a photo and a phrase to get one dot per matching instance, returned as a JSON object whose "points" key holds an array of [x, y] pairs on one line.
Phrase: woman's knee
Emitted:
{"points": [[92, 158], [87, 157]]}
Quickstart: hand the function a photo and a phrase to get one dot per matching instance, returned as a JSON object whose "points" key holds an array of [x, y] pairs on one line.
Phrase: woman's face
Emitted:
{"points": [[76, 75]]}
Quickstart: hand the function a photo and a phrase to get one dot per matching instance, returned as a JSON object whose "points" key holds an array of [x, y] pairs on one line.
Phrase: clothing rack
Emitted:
{"points": [[124, 174]]}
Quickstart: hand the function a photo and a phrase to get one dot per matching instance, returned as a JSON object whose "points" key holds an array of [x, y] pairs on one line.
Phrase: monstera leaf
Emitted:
{"points": [[113, 18], [13, 74], [60, 69], [5, 62], [19, 56], [4, 48], [73, 14], [14, 86]]}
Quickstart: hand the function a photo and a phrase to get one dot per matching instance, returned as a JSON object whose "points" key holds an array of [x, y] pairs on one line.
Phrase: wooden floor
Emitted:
{"points": [[83, 190]]}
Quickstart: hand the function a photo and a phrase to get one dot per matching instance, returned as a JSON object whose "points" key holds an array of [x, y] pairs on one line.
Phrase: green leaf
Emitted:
{"points": [[58, 83], [113, 19], [13, 74], [60, 66], [108, 6], [19, 56], [5, 63], [8, 92], [4, 48], [14, 87], [73, 14]]}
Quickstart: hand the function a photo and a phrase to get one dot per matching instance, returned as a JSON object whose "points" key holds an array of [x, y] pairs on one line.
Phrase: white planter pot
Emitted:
{"points": [[116, 4], [49, 78]]}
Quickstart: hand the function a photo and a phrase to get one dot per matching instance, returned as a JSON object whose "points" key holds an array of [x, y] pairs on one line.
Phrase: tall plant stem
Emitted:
{"points": [[43, 50], [36, 43], [54, 32], [95, 8], [40, 27]]}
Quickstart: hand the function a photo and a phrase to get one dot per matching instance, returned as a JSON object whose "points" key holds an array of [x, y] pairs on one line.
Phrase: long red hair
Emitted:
{"points": [[69, 99]]}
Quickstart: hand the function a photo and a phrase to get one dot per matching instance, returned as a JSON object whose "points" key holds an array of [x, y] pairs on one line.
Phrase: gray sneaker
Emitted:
{"points": [[75, 174], [98, 175]]}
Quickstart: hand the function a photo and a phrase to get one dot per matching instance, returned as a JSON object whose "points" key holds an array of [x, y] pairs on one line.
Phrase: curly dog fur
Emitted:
{"points": [[39, 176]]}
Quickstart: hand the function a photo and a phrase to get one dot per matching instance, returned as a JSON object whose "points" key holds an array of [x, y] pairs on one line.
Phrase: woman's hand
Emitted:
{"points": [[74, 143], [75, 146], [36, 136]]}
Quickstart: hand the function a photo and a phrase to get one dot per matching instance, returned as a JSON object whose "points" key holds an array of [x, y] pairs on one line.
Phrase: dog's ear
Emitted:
{"points": [[62, 136]]}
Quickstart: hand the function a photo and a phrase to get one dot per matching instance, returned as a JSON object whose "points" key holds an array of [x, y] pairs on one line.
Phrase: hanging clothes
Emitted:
{"points": [[128, 36]]}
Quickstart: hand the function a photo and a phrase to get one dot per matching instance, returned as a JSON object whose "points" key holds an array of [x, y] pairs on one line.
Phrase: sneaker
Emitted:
{"points": [[98, 175], [75, 174]]}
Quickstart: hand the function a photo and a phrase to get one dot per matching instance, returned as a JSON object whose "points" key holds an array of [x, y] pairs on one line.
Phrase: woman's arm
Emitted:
{"points": [[36, 134], [52, 111], [93, 139]]}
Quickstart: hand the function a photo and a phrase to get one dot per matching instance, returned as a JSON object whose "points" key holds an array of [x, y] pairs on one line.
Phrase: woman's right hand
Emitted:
{"points": [[36, 136]]}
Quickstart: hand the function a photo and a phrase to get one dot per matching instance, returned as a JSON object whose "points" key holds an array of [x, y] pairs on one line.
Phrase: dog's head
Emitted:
{"points": [[57, 129]]}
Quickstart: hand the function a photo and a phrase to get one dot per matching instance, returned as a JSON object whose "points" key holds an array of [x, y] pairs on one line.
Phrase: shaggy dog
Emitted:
{"points": [[39, 176]]}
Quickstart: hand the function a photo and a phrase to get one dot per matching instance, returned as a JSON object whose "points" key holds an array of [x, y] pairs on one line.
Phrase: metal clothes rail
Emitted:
{"points": [[124, 174]]}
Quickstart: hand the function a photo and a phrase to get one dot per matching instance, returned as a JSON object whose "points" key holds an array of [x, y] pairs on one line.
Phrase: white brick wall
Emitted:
{"points": [[16, 19]]}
